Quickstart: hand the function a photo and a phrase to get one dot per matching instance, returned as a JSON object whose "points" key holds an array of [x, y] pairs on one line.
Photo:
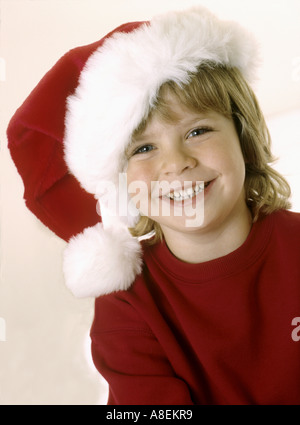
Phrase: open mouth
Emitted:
{"points": [[191, 192]]}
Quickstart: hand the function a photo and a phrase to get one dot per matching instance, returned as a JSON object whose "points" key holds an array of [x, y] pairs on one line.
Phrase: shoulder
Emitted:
{"points": [[123, 310], [290, 220], [286, 227]]}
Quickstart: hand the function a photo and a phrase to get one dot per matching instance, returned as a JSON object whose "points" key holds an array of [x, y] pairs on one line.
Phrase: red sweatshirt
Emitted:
{"points": [[218, 332]]}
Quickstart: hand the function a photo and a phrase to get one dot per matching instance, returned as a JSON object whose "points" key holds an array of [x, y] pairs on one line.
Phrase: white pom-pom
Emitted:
{"points": [[98, 261]]}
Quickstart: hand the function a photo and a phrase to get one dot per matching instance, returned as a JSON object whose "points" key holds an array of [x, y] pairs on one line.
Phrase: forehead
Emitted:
{"points": [[172, 113], [169, 111]]}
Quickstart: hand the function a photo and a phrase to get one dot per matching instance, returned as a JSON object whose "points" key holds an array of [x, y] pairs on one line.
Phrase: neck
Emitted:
{"points": [[210, 242]]}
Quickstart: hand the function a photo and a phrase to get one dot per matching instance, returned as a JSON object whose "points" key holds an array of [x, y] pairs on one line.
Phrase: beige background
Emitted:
{"points": [[44, 342]]}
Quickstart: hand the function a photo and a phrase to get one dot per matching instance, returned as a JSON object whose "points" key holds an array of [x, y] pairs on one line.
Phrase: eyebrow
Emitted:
{"points": [[143, 136]]}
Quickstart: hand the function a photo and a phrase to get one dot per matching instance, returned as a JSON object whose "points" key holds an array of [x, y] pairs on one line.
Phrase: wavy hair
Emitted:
{"points": [[224, 90]]}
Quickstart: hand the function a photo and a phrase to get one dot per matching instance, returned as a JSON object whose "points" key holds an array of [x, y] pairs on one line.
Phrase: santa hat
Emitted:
{"points": [[116, 89]]}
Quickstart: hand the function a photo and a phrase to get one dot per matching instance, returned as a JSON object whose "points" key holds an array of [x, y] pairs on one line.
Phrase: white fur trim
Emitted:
{"points": [[116, 89], [115, 204], [98, 262], [121, 79]]}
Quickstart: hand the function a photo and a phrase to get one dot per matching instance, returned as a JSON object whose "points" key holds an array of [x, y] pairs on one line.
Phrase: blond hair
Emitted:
{"points": [[224, 90]]}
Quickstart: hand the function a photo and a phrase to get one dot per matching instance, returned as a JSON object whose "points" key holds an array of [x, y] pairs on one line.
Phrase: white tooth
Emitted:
{"points": [[180, 195]]}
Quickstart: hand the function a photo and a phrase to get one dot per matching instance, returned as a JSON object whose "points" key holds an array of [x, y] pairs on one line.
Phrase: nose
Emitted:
{"points": [[177, 160]]}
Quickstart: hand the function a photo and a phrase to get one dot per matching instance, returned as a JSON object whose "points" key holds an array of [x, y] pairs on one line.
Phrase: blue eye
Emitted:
{"points": [[198, 132], [143, 149]]}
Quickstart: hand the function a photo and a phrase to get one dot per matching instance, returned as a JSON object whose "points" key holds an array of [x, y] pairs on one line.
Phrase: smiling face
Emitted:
{"points": [[194, 156]]}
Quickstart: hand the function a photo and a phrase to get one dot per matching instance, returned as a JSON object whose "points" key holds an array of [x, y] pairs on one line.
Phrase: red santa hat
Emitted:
{"points": [[116, 89]]}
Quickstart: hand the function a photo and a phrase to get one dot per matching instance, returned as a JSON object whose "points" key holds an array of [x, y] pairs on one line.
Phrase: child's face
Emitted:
{"points": [[197, 147]]}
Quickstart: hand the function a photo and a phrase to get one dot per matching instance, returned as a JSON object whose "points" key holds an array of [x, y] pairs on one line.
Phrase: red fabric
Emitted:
{"points": [[35, 139], [212, 333]]}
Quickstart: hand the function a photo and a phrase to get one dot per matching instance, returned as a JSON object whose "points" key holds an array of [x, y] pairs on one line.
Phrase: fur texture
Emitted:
{"points": [[98, 261], [116, 89], [121, 79]]}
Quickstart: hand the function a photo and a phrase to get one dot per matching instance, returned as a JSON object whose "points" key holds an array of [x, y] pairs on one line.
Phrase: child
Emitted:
{"points": [[197, 283]]}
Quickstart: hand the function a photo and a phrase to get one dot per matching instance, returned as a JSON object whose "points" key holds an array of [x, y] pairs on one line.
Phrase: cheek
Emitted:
{"points": [[139, 177], [230, 160], [226, 159], [237, 163], [137, 172], [234, 172]]}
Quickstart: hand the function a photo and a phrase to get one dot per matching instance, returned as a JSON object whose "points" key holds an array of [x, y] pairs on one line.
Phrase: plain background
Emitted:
{"points": [[45, 349]]}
